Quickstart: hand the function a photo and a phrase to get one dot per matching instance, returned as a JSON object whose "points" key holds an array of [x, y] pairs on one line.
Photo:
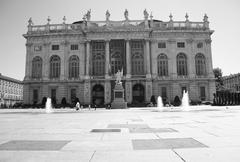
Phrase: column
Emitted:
{"points": [[172, 64], [153, 57], [28, 62], [46, 61], [107, 91], [87, 58], [147, 57], [128, 58], [128, 91], [208, 57], [148, 92], [107, 62], [191, 58]]}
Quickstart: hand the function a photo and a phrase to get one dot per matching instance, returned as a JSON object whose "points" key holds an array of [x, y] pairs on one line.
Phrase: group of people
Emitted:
{"points": [[78, 106]]}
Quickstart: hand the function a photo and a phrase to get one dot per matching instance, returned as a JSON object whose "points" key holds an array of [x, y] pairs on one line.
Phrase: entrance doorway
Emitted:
{"points": [[98, 95], [138, 94]]}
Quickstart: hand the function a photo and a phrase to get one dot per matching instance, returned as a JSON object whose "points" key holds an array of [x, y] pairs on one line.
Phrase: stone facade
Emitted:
{"points": [[157, 58], [11, 91], [232, 82]]}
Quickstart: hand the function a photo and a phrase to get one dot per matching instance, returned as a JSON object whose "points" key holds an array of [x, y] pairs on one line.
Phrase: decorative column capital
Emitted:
{"points": [[189, 41], [171, 41], [107, 40], [46, 44], [65, 43], [29, 44], [208, 41]]}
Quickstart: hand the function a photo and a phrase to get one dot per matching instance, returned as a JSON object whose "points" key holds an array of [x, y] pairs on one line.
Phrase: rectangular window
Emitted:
{"points": [[180, 44], [53, 93], [55, 47], [37, 48], [164, 92], [162, 45], [200, 45], [202, 93], [184, 89], [74, 47], [73, 94], [35, 96]]}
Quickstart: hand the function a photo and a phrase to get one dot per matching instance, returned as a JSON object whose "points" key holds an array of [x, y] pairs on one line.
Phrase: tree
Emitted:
{"points": [[219, 79]]}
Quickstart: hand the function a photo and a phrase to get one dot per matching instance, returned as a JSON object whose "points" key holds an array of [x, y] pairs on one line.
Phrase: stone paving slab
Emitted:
{"points": [[33, 145], [136, 156], [128, 126], [45, 156], [151, 130], [170, 143], [105, 130]]}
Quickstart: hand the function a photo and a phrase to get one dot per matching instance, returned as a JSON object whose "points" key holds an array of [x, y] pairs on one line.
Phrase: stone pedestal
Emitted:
{"points": [[119, 102]]}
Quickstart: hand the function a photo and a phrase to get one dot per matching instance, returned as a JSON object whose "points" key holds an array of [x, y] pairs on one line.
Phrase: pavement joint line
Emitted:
{"points": [[92, 156], [157, 136], [102, 136], [179, 155]]}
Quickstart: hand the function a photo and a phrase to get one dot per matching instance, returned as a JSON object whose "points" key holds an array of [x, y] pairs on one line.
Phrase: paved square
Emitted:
{"points": [[20, 145], [209, 134], [170, 143]]}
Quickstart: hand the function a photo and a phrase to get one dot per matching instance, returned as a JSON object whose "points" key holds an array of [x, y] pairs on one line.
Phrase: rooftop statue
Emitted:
{"points": [[88, 15], [107, 15], [145, 13], [119, 75], [126, 14]]}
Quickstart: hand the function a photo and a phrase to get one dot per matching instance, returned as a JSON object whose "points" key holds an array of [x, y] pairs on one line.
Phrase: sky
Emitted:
{"points": [[224, 18]]}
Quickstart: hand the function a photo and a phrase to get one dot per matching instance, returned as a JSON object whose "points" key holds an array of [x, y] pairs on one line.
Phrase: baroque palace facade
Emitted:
{"points": [[81, 59]]}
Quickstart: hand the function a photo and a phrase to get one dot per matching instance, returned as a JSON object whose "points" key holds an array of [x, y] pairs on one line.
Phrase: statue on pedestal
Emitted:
{"points": [[119, 75]]}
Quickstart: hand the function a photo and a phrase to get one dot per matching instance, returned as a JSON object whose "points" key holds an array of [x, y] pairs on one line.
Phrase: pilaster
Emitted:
{"points": [[107, 62], [87, 92], [128, 58], [147, 57], [128, 91], [107, 91], [148, 91], [87, 66]]}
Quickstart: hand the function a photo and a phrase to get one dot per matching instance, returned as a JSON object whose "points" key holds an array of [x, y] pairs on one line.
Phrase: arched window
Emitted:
{"points": [[98, 64], [200, 64], [162, 65], [73, 66], [137, 64], [37, 67], [116, 62], [182, 64], [55, 65]]}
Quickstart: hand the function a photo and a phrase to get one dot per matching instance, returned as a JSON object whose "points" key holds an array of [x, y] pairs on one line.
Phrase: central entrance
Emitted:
{"points": [[98, 95], [138, 93], [117, 53]]}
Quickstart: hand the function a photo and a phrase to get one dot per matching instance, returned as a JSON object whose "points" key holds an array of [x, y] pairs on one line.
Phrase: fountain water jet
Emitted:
{"points": [[185, 101], [48, 106], [159, 103]]}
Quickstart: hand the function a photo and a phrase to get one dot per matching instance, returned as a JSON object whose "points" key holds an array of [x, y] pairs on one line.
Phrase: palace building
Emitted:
{"points": [[11, 91], [80, 60]]}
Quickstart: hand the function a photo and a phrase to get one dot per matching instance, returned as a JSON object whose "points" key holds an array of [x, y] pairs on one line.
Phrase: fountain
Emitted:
{"points": [[185, 101], [159, 103], [48, 106]]}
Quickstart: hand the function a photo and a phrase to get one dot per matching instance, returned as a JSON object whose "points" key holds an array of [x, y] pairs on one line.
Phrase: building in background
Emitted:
{"points": [[80, 60], [11, 91], [232, 82]]}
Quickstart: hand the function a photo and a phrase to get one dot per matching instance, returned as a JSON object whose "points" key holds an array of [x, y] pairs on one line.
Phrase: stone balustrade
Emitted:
{"points": [[107, 25]]}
